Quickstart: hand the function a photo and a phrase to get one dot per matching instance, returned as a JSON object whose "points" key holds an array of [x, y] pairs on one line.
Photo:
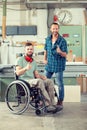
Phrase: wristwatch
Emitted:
{"points": [[64, 16]]}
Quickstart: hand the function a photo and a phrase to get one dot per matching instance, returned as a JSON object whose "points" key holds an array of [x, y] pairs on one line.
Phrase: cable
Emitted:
{"points": [[15, 9]]}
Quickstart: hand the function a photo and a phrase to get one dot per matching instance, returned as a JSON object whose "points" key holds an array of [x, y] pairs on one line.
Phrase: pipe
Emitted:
{"points": [[4, 20]]}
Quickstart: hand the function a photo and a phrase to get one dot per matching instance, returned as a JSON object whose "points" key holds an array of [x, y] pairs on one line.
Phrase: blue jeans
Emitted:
{"points": [[59, 81]]}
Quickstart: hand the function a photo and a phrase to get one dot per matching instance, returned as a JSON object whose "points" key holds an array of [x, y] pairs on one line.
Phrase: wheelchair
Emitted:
{"points": [[19, 96]]}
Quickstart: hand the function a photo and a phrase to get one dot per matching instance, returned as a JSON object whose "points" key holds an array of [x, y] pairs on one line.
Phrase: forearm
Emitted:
{"points": [[60, 52], [63, 54], [45, 55], [21, 71]]}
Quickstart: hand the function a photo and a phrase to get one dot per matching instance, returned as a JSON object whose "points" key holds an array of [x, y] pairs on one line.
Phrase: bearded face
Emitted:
{"points": [[54, 29], [29, 51]]}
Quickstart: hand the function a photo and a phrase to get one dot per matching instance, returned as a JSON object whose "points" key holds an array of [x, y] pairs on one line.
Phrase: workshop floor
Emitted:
{"points": [[72, 117]]}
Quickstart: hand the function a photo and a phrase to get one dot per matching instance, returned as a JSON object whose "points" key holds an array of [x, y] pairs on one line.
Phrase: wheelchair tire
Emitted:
{"points": [[16, 103], [38, 112], [38, 103]]}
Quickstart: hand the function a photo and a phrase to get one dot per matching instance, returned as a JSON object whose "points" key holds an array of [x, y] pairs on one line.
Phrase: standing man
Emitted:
{"points": [[55, 58]]}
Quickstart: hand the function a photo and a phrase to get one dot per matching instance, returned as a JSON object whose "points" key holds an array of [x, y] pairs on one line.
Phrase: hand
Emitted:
{"points": [[28, 67], [63, 54], [37, 75], [43, 77], [58, 50]]}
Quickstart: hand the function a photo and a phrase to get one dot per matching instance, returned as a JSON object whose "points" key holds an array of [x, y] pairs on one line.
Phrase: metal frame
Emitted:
{"points": [[74, 1]]}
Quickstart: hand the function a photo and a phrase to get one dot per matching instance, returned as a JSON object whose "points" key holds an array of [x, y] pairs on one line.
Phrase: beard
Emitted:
{"points": [[29, 55], [55, 33]]}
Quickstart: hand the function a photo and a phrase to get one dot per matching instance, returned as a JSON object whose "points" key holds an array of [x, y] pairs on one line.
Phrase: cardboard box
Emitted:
{"points": [[72, 93]]}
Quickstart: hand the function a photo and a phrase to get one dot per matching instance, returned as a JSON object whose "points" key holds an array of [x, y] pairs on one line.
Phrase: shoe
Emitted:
{"points": [[58, 109], [60, 103], [50, 109]]}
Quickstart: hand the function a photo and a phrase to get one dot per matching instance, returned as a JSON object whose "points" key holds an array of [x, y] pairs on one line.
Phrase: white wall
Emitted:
{"points": [[27, 17], [78, 16]]}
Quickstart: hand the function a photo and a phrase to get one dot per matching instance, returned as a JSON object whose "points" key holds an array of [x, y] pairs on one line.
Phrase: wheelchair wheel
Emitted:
{"points": [[37, 101], [38, 112], [17, 99]]}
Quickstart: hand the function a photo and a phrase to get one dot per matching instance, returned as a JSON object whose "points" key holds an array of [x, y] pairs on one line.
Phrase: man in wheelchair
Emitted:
{"points": [[26, 69]]}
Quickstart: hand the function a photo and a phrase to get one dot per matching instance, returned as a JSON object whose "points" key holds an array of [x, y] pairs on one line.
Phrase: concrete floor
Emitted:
{"points": [[72, 117]]}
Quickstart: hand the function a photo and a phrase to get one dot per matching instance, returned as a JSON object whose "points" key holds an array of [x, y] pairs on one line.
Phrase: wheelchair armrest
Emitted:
{"points": [[16, 76]]}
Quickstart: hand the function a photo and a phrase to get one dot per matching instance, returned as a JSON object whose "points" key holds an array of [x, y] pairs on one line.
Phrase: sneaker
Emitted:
{"points": [[58, 109], [50, 108]]}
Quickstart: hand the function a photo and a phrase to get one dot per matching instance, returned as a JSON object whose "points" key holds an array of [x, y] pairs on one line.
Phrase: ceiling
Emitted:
{"points": [[48, 4]]}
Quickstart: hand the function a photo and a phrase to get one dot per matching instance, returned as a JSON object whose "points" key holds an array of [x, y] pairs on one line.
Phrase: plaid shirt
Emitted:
{"points": [[56, 63]]}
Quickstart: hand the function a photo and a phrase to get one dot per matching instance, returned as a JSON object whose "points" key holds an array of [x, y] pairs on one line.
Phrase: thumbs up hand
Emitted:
{"points": [[58, 50]]}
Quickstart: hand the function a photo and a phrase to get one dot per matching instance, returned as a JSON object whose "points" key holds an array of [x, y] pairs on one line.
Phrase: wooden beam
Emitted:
{"points": [[85, 16]]}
